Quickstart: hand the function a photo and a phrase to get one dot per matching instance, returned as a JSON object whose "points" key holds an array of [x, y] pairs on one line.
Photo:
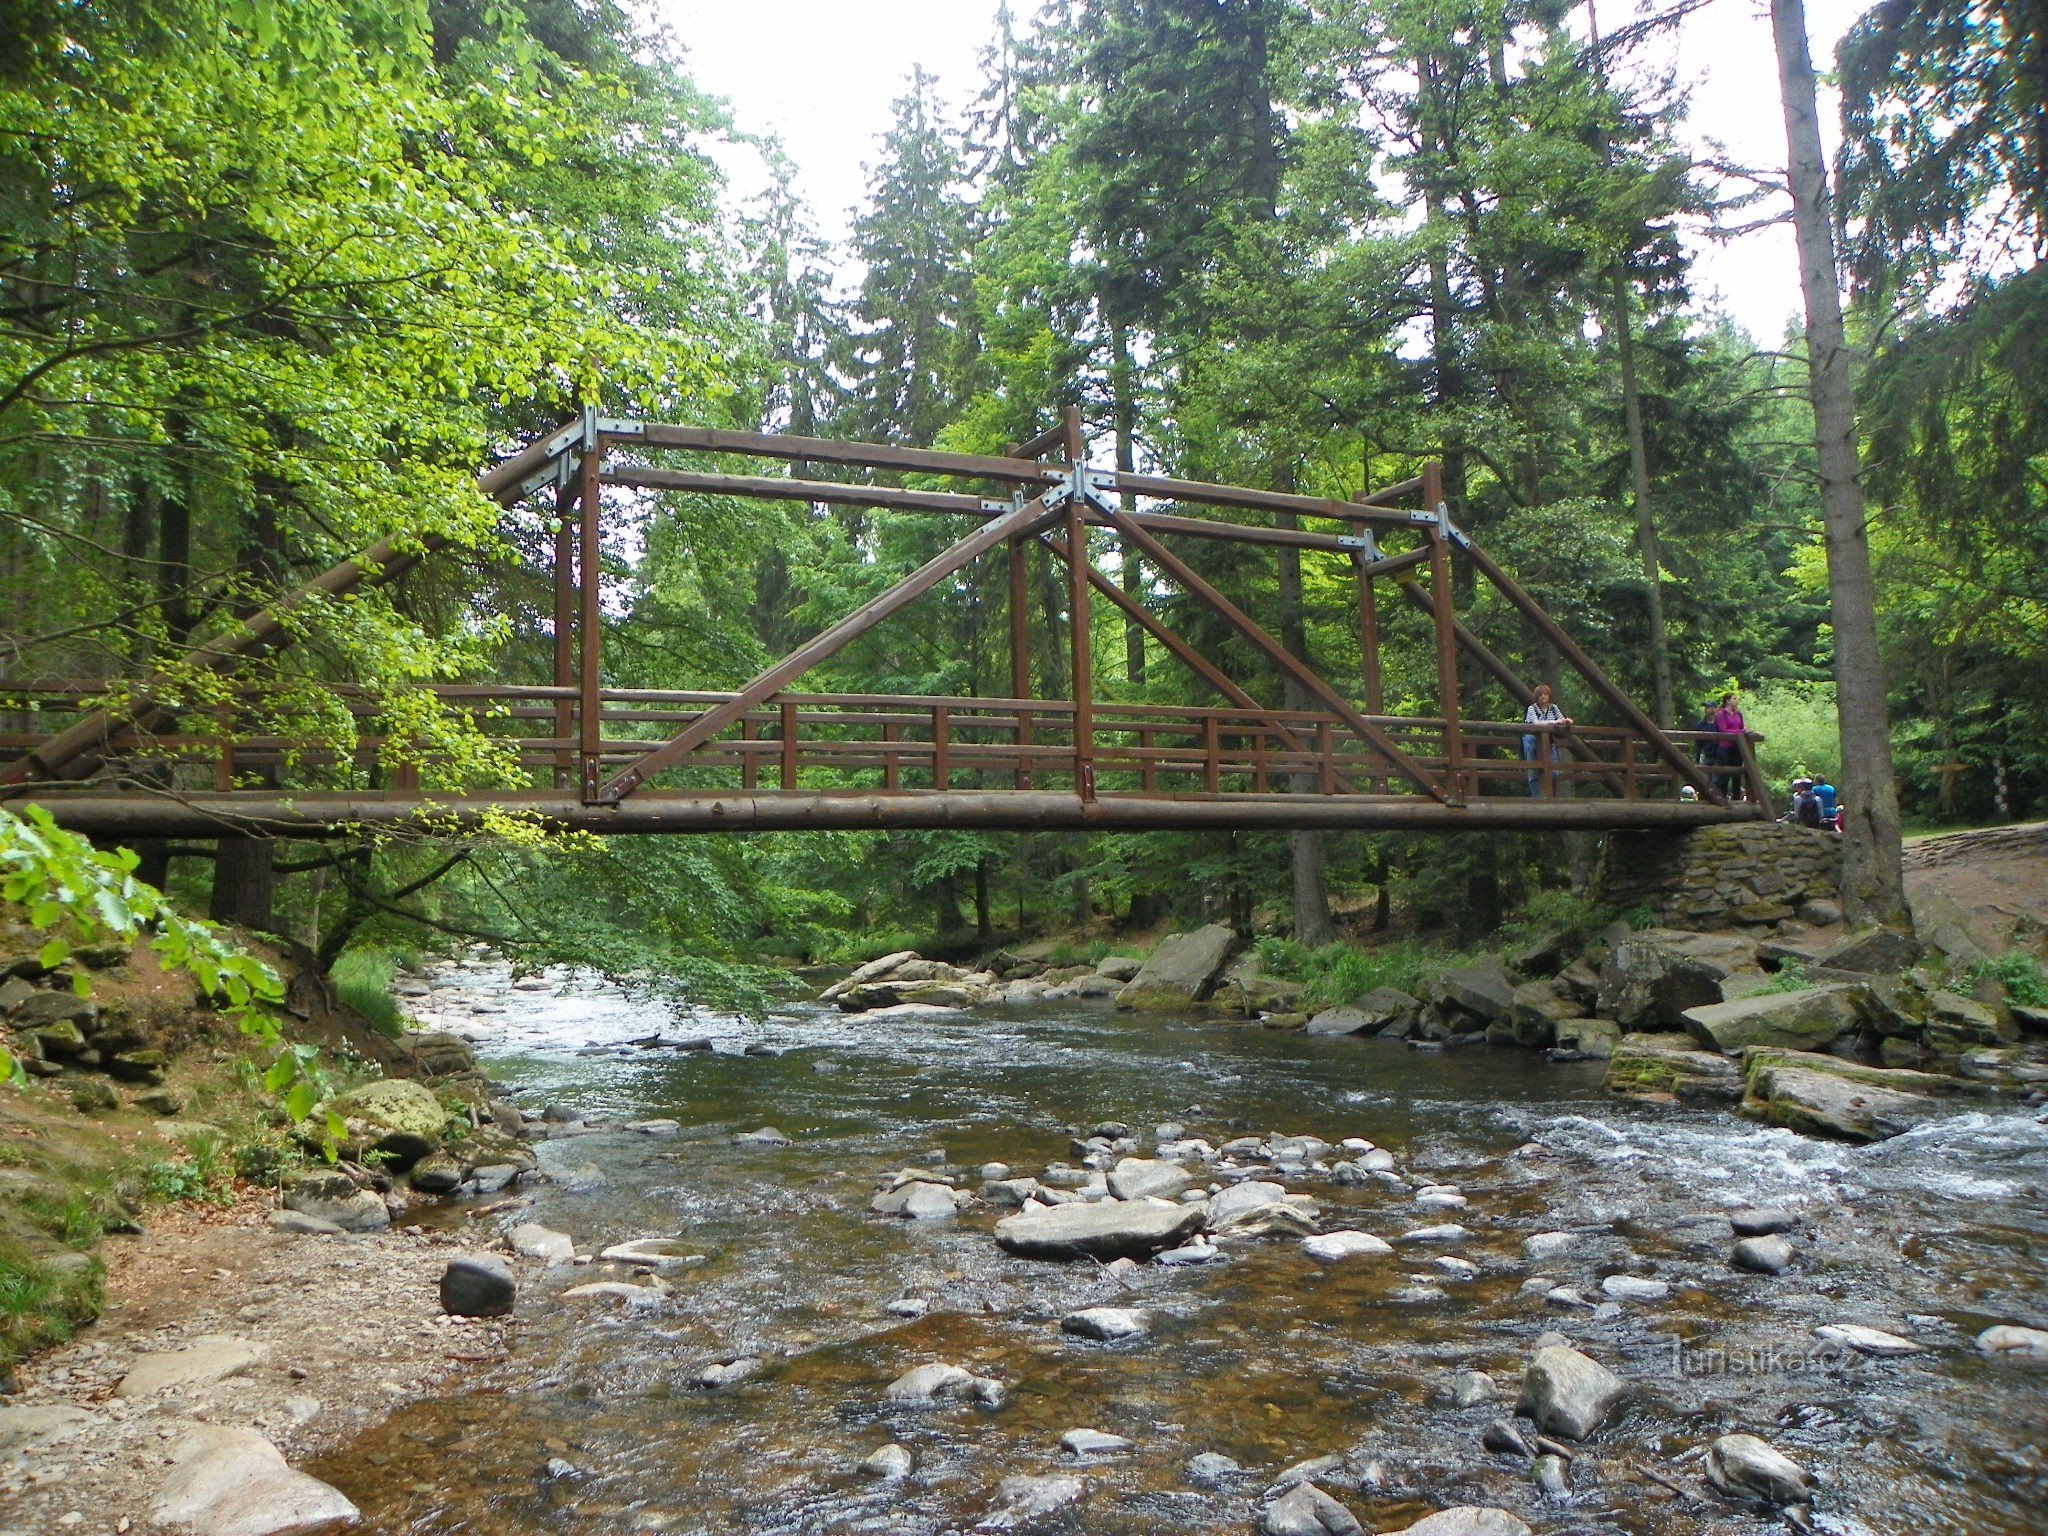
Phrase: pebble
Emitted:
{"points": [[1746, 1467], [1444, 1232], [1759, 1222], [2008, 1341], [1549, 1245], [1868, 1341], [1634, 1288], [1331, 1247], [1212, 1469], [1108, 1323], [1084, 1443], [1305, 1510], [1469, 1389]]}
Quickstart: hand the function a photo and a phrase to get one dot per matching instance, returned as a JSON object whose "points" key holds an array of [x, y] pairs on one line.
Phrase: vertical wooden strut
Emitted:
{"points": [[1077, 610], [1020, 653], [565, 630], [1446, 636], [590, 633]]}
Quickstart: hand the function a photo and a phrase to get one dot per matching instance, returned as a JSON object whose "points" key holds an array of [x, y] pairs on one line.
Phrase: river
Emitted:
{"points": [[1270, 1358]]}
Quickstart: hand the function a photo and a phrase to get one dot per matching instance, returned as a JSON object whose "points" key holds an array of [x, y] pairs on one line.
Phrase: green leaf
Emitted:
{"points": [[53, 954], [300, 1101]]}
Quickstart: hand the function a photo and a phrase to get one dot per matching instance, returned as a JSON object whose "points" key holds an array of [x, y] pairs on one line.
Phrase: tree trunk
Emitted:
{"points": [[1873, 881], [1124, 411], [1312, 925], [244, 884], [1646, 518]]}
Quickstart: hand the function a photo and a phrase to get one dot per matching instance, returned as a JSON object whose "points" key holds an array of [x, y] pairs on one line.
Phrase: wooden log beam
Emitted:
{"points": [[1162, 488], [316, 816], [819, 450], [788, 488], [1026, 520]]}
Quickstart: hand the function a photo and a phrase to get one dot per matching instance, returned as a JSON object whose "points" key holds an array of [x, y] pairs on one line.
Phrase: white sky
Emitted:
{"points": [[820, 74]]}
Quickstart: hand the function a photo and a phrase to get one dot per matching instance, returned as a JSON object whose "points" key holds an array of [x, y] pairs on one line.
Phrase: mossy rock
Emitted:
{"points": [[396, 1117], [1673, 1064]]}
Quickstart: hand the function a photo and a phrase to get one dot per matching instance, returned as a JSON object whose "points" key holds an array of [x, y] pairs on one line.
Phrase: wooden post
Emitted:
{"points": [[749, 769], [788, 714], [1369, 640], [565, 630], [892, 760], [1020, 652], [1446, 636], [1212, 766], [589, 623], [942, 746], [1077, 620]]}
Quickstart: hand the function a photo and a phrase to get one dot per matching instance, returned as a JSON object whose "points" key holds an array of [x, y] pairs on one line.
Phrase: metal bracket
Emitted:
{"points": [[1449, 529], [1364, 545], [562, 470], [1092, 487], [565, 439], [1014, 504], [621, 426]]}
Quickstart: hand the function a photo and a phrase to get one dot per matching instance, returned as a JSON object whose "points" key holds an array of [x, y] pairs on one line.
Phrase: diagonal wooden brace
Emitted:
{"points": [[1028, 519], [1193, 659], [1276, 653]]}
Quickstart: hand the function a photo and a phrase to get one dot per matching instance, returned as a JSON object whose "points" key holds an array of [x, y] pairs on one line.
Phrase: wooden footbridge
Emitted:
{"points": [[137, 758]]}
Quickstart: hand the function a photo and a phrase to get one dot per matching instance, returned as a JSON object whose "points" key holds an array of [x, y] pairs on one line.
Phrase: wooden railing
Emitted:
{"points": [[868, 743]]}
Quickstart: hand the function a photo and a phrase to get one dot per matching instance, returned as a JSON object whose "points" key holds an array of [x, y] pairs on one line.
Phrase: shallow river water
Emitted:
{"points": [[1269, 1358]]}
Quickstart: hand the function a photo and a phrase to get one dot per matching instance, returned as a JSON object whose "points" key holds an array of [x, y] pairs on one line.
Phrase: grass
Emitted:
{"points": [[2025, 982], [43, 1302], [1336, 973], [362, 980]]}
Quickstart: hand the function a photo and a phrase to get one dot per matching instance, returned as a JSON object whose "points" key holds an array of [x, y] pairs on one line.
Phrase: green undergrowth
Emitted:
{"points": [[1338, 972], [1069, 951], [44, 1299], [362, 981], [2020, 974], [870, 944]]}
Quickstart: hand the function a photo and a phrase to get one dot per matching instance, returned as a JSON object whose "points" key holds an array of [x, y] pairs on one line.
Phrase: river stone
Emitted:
{"points": [[1482, 989], [1199, 1251], [210, 1358], [1241, 1198], [1111, 1229], [2008, 1341], [360, 1210], [1468, 1520], [1761, 1221], [1211, 1469], [1334, 1246], [1763, 1255], [531, 1240], [477, 1285], [1442, 1232], [1469, 1389], [938, 1382], [1956, 1023], [1824, 1104], [395, 1116], [233, 1482], [1119, 967], [872, 971], [729, 1372], [656, 1253], [492, 1177], [1344, 1019], [299, 1224], [1021, 1500], [1505, 1437], [1548, 1245], [1305, 1510], [1809, 1019], [1881, 951], [1108, 1323], [1673, 1064], [891, 1464], [1086, 1443], [1650, 978], [1634, 1288], [1868, 1341], [436, 1174], [766, 1136], [1567, 1393], [1135, 1178], [657, 1128], [1182, 970], [1748, 1468]]}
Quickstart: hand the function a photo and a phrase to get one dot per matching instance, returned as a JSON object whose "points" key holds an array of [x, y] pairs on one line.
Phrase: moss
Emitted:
{"points": [[45, 1297]]}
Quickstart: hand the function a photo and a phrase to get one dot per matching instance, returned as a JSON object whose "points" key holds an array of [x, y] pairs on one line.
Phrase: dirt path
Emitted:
{"points": [[1998, 876], [347, 1328]]}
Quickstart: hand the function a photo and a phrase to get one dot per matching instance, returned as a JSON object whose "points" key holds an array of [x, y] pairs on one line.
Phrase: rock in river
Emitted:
{"points": [[1824, 1104], [531, 1240], [1182, 970], [1109, 1229], [1305, 1510], [234, 1482], [656, 1253], [1333, 1246], [2006, 1341], [892, 1463], [1137, 1177], [1568, 1393], [1467, 1520], [766, 1136], [1810, 1019], [477, 1285], [1868, 1341], [1763, 1255], [925, 1385], [1745, 1467], [1108, 1323], [1086, 1444]]}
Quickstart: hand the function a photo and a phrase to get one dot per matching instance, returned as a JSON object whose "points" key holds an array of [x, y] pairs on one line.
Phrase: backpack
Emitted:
{"points": [[1806, 808], [1829, 804]]}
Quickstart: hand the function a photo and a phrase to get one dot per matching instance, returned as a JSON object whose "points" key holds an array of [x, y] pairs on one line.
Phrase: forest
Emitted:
{"points": [[276, 281]]}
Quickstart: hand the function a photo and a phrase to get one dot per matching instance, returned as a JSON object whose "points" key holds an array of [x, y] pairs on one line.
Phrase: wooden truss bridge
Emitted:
{"points": [[131, 759]]}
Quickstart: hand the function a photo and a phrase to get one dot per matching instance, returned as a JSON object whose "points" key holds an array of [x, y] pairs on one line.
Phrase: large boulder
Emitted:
{"points": [[1807, 1020], [1135, 1178], [1940, 923], [329, 1195], [1245, 992], [1534, 1016], [1481, 989], [1672, 1064], [1880, 951], [1108, 1229], [1183, 970], [478, 1285], [1956, 1024], [233, 1482], [1651, 978], [1567, 1393], [1367, 1015], [874, 970], [1827, 1104], [394, 1116]]}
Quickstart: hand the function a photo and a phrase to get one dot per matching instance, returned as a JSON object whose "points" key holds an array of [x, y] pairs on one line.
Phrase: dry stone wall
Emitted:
{"points": [[1751, 873]]}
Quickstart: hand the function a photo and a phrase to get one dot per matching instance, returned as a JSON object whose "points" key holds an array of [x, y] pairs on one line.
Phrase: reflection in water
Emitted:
{"points": [[1269, 1358]]}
